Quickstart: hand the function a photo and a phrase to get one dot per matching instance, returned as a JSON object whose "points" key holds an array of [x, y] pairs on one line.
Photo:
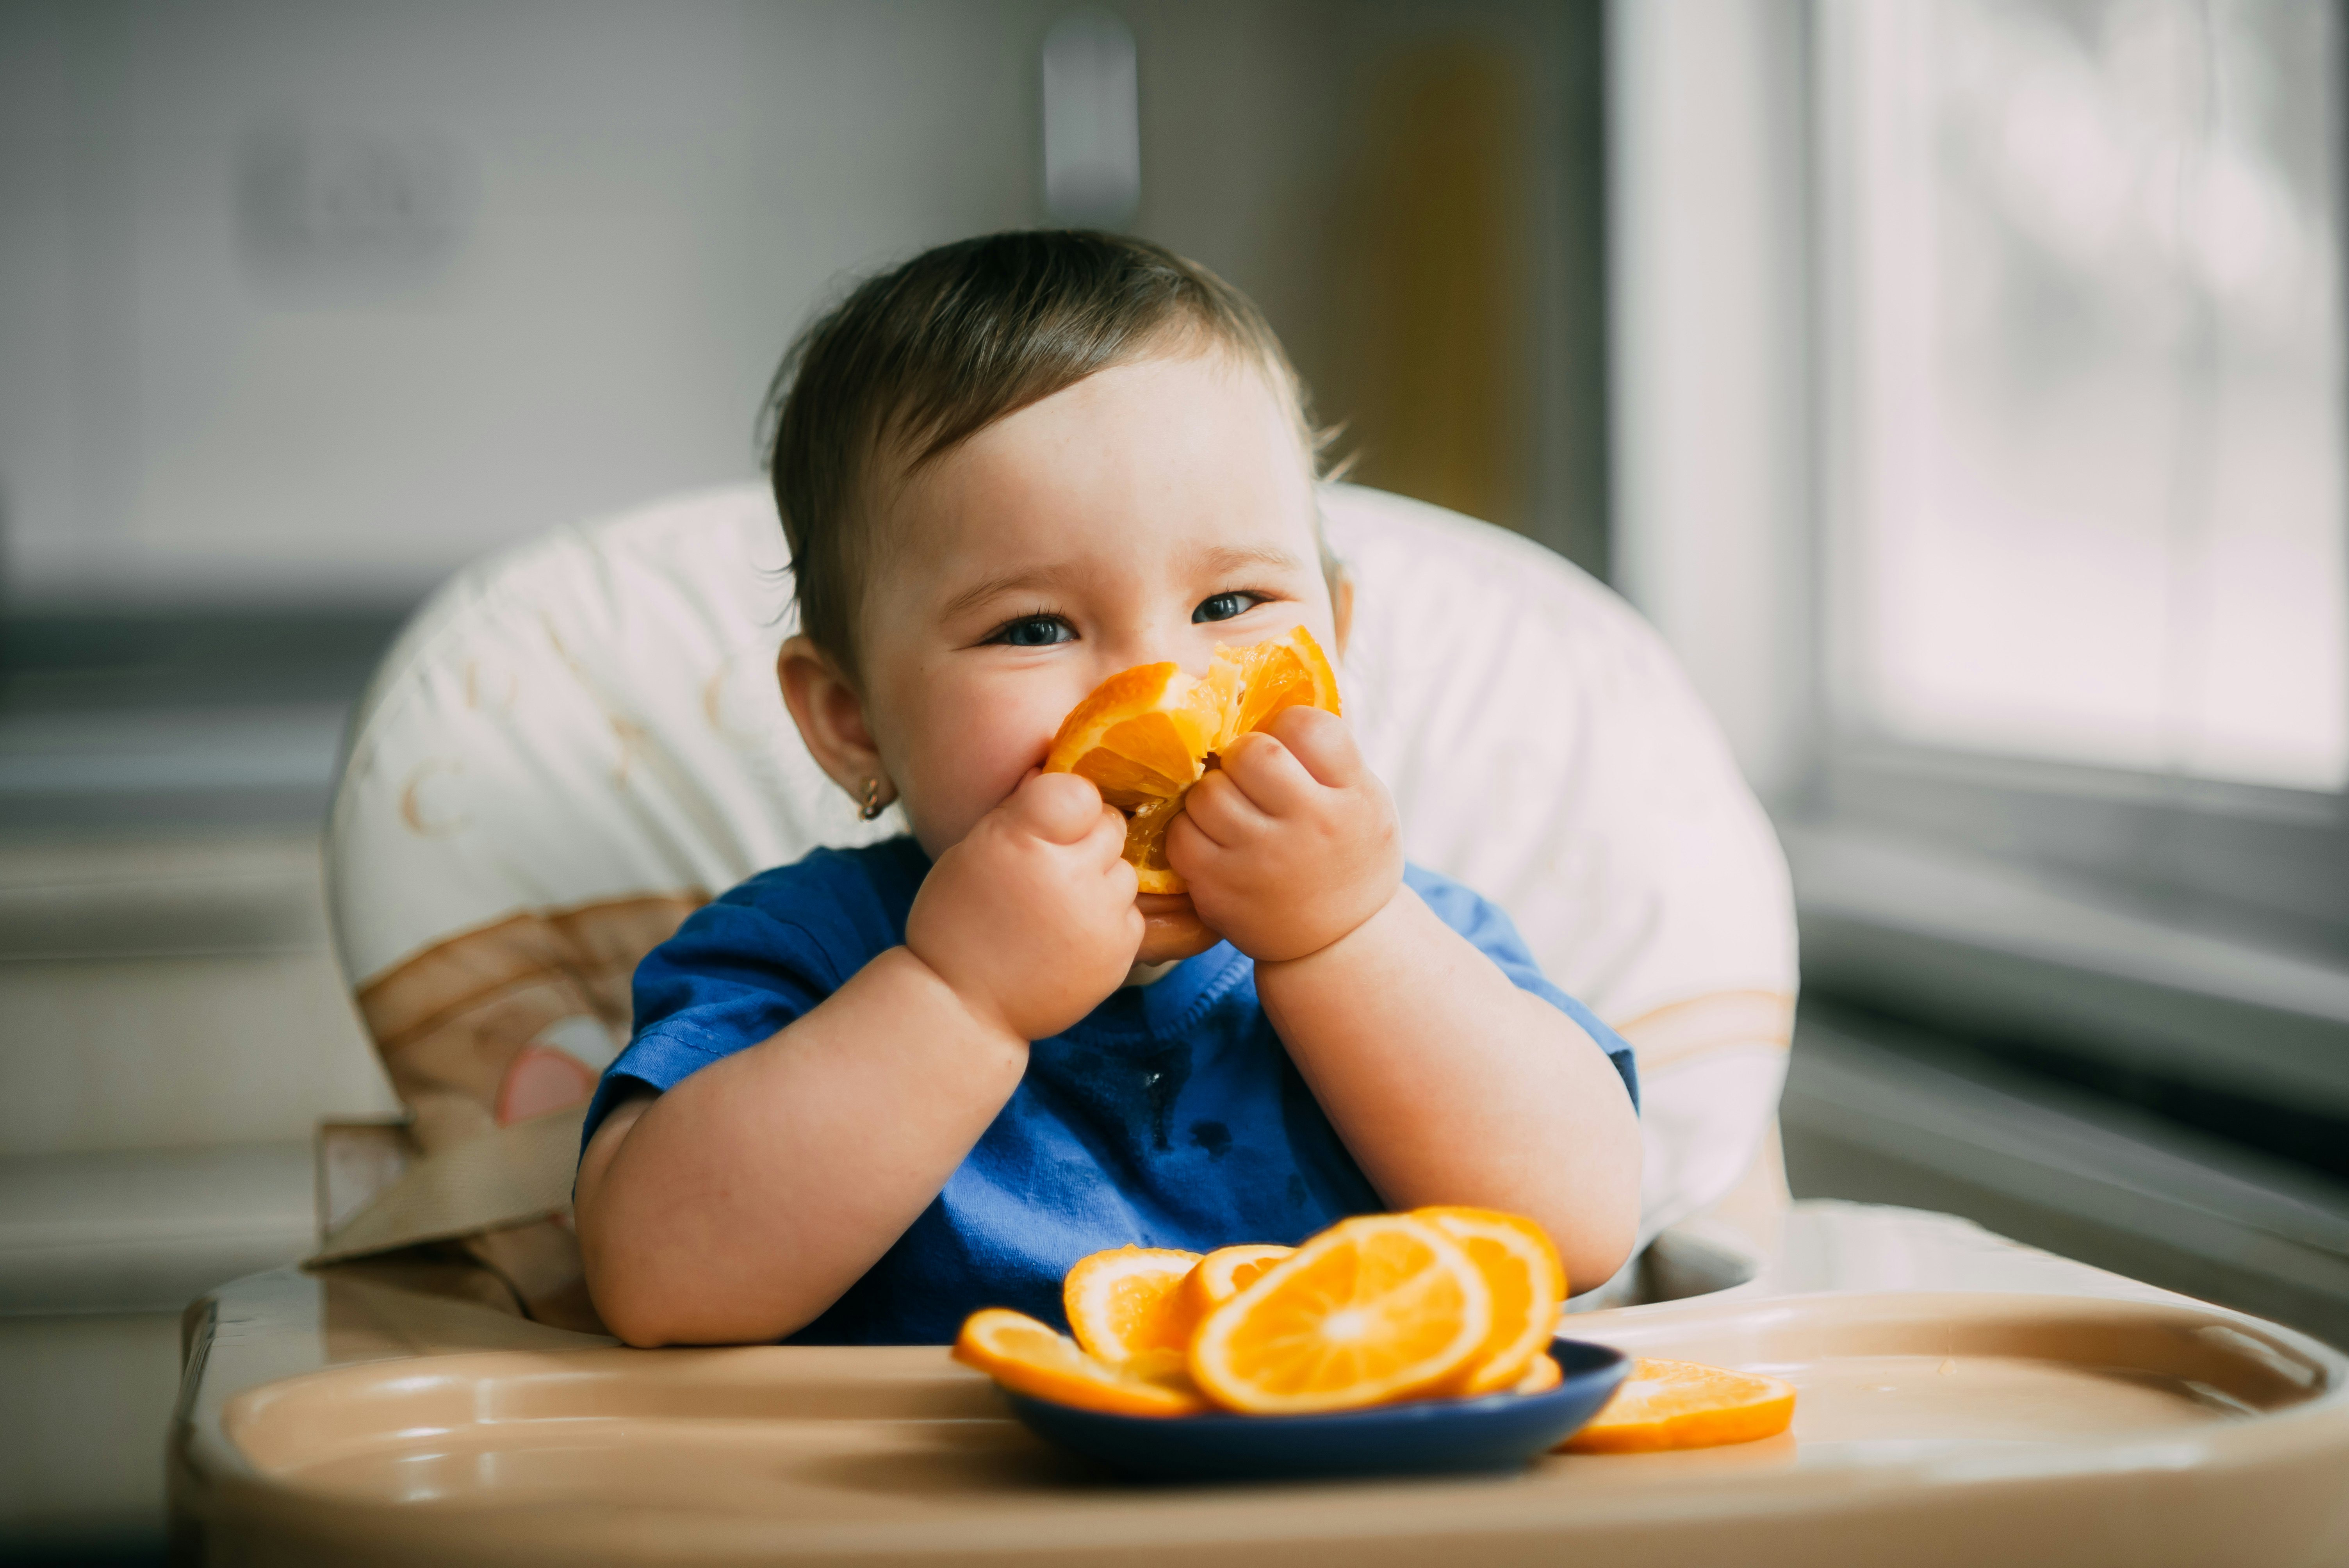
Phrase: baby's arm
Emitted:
{"points": [[742, 1202], [1448, 1083], [1451, 1085]]}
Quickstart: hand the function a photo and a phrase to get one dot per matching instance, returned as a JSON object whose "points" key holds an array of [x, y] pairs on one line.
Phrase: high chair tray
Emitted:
{"points": [[1930, 1427]]}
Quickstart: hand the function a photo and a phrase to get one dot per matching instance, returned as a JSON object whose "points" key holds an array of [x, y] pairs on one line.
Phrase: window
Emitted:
{"points": [[2088, 553], [2095, 347]]}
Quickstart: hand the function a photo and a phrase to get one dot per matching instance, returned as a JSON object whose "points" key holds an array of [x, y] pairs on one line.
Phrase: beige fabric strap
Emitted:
{"points": [[518, 1173]]}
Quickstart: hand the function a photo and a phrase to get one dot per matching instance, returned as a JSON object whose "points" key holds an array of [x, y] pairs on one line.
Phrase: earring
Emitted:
{"points": [[873, 805]]}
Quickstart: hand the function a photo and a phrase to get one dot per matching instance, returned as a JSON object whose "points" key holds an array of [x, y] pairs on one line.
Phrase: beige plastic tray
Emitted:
{"points": [[1930, 1427]]}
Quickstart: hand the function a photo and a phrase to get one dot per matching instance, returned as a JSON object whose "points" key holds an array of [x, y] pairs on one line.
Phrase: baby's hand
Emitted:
{"points": [[1031, 918], [1292, 843]]}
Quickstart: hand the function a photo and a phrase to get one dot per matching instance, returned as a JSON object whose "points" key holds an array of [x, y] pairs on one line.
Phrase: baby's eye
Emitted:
{"points": [[1034, 632], [1223, 606]]}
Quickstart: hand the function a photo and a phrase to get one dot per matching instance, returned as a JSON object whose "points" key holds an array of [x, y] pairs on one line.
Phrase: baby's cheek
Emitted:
{"points": [[964, 753]]}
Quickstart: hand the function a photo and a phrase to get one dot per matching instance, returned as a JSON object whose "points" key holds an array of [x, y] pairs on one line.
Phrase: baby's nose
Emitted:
{"points": [[1156, 646]]}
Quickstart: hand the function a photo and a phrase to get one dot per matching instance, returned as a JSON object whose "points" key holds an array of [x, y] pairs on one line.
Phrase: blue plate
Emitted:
{"points": [[1432, 1437]]}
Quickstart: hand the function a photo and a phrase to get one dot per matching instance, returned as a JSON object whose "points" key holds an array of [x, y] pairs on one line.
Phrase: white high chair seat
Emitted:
{"points": [[579, 740]]}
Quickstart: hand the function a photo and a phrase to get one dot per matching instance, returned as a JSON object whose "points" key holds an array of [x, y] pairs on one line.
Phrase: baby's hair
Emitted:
{"points": [[920, 359]]}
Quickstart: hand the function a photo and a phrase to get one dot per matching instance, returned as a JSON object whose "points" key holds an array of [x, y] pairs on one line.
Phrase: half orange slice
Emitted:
{"points": [[1273, 675], [1219, 1276], [1145, 736], [1686, 1405], [1528, 1282], [1375, 1308], [1125, 1301], [1223, 1275], [1027, 1358]]}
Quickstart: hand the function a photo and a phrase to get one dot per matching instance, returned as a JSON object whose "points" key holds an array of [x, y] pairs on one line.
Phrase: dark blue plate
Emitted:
{"points": [[1430, 1437]]}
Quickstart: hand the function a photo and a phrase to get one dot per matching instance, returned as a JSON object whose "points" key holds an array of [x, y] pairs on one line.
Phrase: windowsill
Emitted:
{"points": [[153, 722], [2070, 1070], [1880, 1113], [160, 769], [147, 1229], [1981, 946]]}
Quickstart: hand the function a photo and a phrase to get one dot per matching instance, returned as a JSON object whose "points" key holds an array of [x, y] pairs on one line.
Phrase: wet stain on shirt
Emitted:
{"points": [[1148, 1084], [1212, 1136], [1135, 1092], [1164, 1075]]}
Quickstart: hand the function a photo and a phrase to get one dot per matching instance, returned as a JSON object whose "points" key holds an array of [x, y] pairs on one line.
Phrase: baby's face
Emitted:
{"points": [[1147, 513]]}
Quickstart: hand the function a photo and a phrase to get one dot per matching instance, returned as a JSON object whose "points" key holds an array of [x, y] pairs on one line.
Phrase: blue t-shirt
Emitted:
{"points": [[1170, 1117]]}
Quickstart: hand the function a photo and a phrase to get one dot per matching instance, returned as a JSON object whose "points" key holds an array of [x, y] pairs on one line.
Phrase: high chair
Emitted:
{"points": [[578, 742]]}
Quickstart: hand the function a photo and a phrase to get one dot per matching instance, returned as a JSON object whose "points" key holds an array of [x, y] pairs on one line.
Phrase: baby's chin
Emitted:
{"points": [[1171, 928]]}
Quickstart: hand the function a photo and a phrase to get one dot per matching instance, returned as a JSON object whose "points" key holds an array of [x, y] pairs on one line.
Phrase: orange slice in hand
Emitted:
{"points": [[1685, 1404], [1528, 1283], [1374, 1309], [1144, 736], [1283, 673], [1027, 1358], [1125, 1301]]}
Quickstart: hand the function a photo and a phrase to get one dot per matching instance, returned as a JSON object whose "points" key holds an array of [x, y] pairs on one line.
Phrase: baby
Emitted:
{"points": [[879, 1088]]}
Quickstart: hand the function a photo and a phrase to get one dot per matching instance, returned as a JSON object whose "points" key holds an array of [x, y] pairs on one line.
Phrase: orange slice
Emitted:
{"points": [[1374, 1309], [1685, 1404], [1145, 736], [1140, 734], [1219, 1276], [1528, 1282], [1125, 1301], [1283, 673], [1542, 1373], [1223, 1275], [1027, 1358]]}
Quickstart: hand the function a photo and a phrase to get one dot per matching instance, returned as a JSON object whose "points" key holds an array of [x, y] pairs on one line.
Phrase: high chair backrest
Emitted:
{"points": [[578, 741]]}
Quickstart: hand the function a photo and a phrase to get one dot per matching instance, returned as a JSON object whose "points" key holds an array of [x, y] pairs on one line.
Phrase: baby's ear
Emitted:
{"points": [[1341, 605], [830, 714]]}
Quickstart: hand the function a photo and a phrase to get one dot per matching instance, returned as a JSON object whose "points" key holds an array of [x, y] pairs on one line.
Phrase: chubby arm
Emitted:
{"points": [[742, 1202], [1448, 1084], [1451, 1085]]}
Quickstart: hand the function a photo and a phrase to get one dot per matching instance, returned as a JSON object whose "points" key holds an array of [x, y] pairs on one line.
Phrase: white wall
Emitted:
{"points": [[546, 251], [616, 215]]}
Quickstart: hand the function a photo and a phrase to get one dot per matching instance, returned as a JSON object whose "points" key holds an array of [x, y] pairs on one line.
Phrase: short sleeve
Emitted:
{"points": [[731, 977], [1489, 928], [740, 970]]}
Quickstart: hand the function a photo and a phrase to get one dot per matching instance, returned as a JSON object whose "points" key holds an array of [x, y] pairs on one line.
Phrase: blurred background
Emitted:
{"points": [[1957, 383]]}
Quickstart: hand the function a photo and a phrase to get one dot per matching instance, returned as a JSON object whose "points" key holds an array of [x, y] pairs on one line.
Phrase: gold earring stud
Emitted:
{"points": [[873, 805]]}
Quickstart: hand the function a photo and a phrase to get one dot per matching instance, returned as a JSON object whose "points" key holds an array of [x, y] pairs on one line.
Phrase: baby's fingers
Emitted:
{"points": [[1322, 742], [1108, 837], [1220, 811], [1060, 809], [1189, 850], [1265, 771]]}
